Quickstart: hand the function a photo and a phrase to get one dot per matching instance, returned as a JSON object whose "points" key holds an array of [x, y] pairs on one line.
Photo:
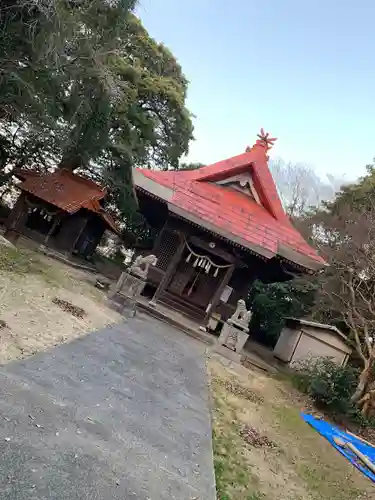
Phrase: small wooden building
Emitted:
{"points": [[62, 210], [301, 339], [219, 228]]}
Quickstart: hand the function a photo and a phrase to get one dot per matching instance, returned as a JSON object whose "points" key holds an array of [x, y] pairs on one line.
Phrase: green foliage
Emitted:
{"points": [[357, 196], [344, 231], [41, 43], [229, 465], [137, 232], [190, 166], [329, 385], [83, 85], [272, 303]]}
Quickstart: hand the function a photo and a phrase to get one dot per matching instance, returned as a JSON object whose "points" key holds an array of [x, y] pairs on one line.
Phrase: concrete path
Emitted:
{"points": [[120, 414]]}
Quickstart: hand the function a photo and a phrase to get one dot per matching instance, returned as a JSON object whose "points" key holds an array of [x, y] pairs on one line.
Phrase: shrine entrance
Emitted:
{"points": [[197, 277]]}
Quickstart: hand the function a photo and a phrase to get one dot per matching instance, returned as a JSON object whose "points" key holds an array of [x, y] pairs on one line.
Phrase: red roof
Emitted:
{"points": [[260, 224], [67, 191]]}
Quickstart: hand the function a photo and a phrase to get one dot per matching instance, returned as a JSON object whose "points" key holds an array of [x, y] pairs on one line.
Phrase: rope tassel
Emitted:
{"points": [[204, 262]]}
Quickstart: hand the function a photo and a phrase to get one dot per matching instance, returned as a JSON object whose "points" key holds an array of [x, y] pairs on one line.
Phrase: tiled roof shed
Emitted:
{"points": [[67, 191]]}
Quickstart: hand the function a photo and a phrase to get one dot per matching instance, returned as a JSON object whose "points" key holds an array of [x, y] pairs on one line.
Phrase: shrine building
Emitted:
{"points": [[61, 210], [219, 228]]}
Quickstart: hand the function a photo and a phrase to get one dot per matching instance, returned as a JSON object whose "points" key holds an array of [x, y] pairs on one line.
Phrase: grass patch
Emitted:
{"points": [[301, 466], [22, 262], [234, 479], [322, 469]]}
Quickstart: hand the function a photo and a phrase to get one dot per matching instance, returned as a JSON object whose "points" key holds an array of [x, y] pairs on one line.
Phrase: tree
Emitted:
{"points": [[190, 166], [41, 41], [52, 56], [345, 233], [151, 128], [101, 91], [140, 119], [359, 195], [24, 147], [300, 188], [272, 303]]}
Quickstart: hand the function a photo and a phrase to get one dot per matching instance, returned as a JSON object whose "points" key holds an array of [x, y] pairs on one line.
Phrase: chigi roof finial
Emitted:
{"points": [[264, 140]]}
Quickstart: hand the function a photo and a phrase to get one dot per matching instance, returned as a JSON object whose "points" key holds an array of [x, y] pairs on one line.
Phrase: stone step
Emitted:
{"points": [[180, 305], [172, 319]]}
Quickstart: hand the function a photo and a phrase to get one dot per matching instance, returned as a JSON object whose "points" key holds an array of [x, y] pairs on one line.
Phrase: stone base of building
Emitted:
{"points": [[5, 242], [227, 353], [12, 236]]}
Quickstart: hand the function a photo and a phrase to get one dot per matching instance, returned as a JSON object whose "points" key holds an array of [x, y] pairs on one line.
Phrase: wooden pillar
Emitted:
{"points": [[16, 219], [19, 213], [169, 272], [158, 238], [219, 291], [53, 227], [80, 232], [98, 238]]}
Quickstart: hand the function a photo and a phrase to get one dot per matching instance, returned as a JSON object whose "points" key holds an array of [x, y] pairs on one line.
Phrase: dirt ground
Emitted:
{"points": [[32, 319], [264, 450]]}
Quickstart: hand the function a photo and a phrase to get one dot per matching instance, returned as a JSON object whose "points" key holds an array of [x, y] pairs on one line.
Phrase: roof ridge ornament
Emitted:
{"points": [[263, 140]]}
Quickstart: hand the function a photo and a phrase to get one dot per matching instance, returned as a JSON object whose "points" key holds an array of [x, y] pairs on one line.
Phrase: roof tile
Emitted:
{"points": [[264, 224], [67, 191]]}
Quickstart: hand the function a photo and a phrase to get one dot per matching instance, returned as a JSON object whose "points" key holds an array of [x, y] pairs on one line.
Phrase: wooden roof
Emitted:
{"points": [[67, 191]]}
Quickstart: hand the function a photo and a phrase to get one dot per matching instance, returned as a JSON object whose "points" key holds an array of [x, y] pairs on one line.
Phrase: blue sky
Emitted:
{"points": [[303, 70]]}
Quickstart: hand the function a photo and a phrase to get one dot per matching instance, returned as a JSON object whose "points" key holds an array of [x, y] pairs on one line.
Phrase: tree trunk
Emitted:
{"points": [[364, 396], [364, 380], [70, 162], [368, 402]]}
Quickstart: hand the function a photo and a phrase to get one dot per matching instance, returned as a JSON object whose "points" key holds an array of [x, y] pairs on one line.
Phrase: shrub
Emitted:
{"points": [[329, 385], [272, 303]]}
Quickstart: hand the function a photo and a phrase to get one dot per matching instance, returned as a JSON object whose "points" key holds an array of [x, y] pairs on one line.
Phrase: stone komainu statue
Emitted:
{"points": [[141, 265], [237, 325], [132, 281], [241, 316]]}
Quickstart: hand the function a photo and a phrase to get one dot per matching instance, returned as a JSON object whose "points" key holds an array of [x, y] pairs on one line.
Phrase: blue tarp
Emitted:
{"points": [[330, 431]]}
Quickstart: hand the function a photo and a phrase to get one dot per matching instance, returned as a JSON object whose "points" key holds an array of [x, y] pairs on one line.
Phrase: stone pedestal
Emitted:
{"points": [[128, 289], [233, 336], [129, 286], [227, 353], [241, 340]]}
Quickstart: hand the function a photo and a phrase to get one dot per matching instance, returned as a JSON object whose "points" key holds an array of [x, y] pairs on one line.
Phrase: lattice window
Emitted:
{"points": [[168, 246]]}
